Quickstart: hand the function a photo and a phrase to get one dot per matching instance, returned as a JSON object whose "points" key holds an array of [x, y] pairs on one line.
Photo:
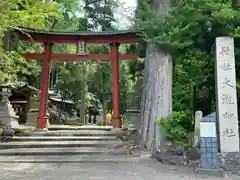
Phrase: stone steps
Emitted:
{"points": [[73, 159], [83, 132], [63, 138], [62, 151], [77, 145], [85, 127], [57, 144]]}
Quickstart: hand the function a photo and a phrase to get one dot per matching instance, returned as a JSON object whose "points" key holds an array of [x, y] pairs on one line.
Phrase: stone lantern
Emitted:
{"points": [[7, 115], [131, 117]]}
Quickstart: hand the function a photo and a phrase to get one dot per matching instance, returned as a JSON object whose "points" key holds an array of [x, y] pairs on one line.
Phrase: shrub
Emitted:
{"points": [[177, 127]]}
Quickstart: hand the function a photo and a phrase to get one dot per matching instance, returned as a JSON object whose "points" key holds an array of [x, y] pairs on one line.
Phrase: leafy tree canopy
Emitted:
{"points": [[14, 14], [187, 32]]}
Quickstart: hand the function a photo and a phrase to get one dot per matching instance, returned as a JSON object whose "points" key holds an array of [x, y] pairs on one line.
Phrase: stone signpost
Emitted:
{"points": [[227, 112], [219, 133]]}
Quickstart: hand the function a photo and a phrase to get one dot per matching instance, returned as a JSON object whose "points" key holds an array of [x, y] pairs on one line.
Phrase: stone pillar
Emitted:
{"points": [[7, 115], [227, 112], [198, 117]]}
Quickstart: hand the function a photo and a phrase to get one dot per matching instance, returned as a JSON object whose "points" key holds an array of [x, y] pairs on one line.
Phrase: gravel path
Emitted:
{"points": [[106, 171]]}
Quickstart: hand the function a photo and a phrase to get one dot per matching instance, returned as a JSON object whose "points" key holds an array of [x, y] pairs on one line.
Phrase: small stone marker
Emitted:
{"points": [[210, 160], [198, 117], [208, 142]]}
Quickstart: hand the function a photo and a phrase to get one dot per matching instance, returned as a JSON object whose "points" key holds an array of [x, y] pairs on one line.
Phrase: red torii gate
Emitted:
{"points": [[48, 39]]}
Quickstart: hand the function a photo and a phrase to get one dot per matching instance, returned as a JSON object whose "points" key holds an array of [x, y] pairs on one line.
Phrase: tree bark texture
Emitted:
{"points": [[104, 100], [104, 105], [156, 101], [83, 102]]}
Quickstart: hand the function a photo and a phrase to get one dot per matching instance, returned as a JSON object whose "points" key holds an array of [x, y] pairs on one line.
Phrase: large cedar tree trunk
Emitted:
{"points": [[156, 101]]}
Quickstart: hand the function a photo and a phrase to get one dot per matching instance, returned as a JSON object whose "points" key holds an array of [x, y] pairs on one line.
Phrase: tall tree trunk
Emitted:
{"points": [[6, 41], [104, 105], [60, 111], [83, 102], [156, 101], [104, 100], [84, 82]]}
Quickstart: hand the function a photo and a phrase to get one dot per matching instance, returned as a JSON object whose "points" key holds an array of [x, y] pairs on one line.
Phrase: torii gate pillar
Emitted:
{"points": [[116, 119], [42, 118]]}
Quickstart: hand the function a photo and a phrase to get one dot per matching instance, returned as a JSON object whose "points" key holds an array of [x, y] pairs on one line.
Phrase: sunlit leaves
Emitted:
{"points": [[27, 13], [33, 13]]}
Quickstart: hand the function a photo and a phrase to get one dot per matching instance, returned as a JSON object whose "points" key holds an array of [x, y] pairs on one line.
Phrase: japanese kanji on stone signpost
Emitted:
{"points": [[227, 112]]}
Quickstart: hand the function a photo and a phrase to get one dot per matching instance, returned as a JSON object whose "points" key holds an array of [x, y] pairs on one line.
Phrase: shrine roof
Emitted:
{"points": [[101, 37], [79, 33], [29, 89]]}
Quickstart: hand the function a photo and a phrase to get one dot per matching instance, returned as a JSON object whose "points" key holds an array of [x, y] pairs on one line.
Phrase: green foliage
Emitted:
{"points": [[191, 68], [63, 15], [71, 77], [187, 32], [188, 23], [176, 126], [14, 68], [130, 88], [70, 10], [100, 14], [27, 13], [33, 13]]}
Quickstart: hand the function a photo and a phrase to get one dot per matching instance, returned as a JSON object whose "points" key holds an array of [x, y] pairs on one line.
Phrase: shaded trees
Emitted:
{"points": [[157, 83], [187, 32], [21, 13], [88, 77]]}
